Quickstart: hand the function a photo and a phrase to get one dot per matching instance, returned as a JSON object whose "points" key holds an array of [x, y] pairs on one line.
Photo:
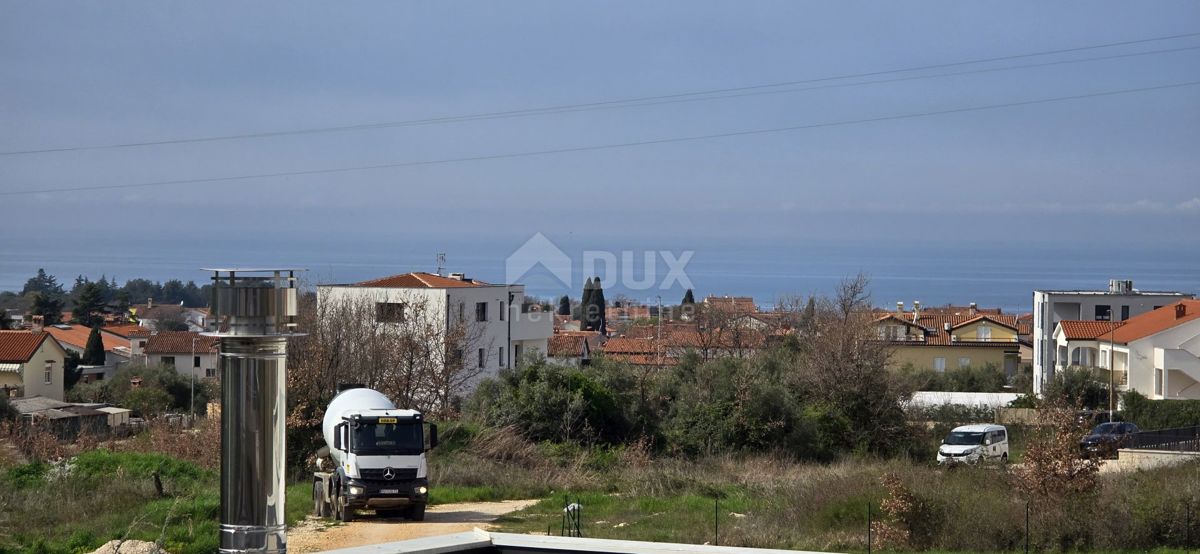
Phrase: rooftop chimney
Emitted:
{"points": [[1120, 286], [899, 307], [37, 323], [973, 308], [916, 310], [458, 276], [255, 312], [149, 303], [1180, 310]]}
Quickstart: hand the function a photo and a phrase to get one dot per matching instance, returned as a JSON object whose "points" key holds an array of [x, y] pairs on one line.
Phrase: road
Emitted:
{"points": [[315, 535]]}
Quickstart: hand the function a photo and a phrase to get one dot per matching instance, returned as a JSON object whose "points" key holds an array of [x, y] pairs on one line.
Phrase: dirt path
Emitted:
{"points": [[315, 535]]}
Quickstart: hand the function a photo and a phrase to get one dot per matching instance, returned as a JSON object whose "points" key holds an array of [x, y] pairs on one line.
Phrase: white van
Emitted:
{"points": [[973, 444]]}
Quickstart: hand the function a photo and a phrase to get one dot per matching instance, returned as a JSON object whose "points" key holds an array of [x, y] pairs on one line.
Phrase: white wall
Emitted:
{"points": [[1050, 307]]}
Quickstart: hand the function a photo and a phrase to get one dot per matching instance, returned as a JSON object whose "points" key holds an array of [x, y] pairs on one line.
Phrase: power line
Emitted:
{"points": [[445, 161], [626, 102]]}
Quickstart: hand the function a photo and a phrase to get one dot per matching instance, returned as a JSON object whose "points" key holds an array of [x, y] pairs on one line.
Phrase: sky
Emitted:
{"points": [[1116, 169]]}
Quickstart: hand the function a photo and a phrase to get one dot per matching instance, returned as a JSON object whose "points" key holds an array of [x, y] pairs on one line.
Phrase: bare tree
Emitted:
{"points": [[846, 368]]}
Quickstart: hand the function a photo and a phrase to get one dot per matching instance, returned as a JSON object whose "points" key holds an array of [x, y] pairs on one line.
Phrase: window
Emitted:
{"points": [[501, 355], [939, 364], [462, 311], [985, 333], [196, 361], [1103, 312], [964, 363], [389, 312], [1104, 358], [501, 310], [1124, 313], [49, 372], [168, 361], [517, 352], [481, 312], [210, 372], [1158, 382], [482, 357]]}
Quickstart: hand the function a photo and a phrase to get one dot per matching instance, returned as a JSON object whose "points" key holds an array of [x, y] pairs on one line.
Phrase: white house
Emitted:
{"points": [[1120, 302], [1156, 353], [31, 364], [501, 330], [186, 351]]}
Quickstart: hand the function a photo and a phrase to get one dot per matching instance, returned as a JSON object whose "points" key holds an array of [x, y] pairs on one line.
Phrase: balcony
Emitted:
{"points": [[532, 325]]}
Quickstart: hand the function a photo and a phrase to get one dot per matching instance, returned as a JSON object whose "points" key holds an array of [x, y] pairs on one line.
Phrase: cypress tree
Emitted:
{"points": [[688, 298], [564, 305], [93, 353], [599, 306], [585, 307]]}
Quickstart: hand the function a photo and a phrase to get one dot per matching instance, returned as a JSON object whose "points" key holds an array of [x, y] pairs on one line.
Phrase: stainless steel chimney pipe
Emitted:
{"points": [[254, 312]]}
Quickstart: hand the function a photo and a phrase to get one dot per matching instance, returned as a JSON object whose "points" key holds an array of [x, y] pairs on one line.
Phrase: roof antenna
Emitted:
{"points": [[441, 262]]}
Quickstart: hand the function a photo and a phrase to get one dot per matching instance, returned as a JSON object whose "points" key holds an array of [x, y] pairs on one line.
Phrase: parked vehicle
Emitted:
{"points": [[972, 444], [378, 452], [1107, 438]]}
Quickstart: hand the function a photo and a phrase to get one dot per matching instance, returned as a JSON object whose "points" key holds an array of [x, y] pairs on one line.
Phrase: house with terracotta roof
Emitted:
{"points": [[151, 313], [188, 352], [574, 347], [492, 319], [135, 335], [31, 364], [738, 304], [1119, 302], [1156, 353], [73, 338], [947, 340]]}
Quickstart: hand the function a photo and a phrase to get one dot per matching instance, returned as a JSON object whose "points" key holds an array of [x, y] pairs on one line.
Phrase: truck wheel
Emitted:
{"points": [[319, 506], [345, 512], [416, 512]]}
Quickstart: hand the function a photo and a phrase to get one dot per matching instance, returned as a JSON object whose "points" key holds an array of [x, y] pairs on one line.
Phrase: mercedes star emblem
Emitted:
{"points": [[389, 474]]}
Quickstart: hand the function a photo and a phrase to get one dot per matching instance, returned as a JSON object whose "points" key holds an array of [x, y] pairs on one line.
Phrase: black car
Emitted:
{"points": [[1106, 438]]}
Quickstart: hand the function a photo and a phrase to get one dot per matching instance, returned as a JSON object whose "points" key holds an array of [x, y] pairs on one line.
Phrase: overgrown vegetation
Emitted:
{"points": [[1158, 414], [160, 389]]}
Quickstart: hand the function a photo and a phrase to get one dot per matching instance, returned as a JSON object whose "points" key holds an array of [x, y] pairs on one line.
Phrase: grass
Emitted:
{"points": [[105, 496]]}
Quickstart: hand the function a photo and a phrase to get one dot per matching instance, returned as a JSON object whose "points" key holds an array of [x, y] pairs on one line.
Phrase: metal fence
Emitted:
{"points": [[1183, 439]]}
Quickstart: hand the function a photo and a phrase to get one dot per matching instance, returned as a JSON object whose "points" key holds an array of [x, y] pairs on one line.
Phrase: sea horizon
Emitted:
{"points": [[1003, 276]]}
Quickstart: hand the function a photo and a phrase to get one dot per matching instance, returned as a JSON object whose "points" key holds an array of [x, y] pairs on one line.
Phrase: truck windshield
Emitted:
{"points": [[962, 438], [403, 438]]}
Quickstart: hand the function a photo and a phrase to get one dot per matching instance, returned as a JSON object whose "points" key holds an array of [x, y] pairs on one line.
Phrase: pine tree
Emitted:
{"points": [[93, 353], [599, 305], [5, 323], [688, 298], [43, 283], [810, 313], [89, 306], [47, 306], [71, 370], [564, 305]]}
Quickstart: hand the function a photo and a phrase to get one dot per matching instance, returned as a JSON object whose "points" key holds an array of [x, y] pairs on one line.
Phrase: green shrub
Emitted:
{"points": [[1159, 414]]}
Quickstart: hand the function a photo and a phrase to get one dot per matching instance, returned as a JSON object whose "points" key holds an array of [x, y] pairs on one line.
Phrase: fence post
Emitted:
{"points": [[716, 520], [1187, 524]]}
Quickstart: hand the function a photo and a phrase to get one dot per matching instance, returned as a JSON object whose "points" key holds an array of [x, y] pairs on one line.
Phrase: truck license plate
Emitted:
{"points": [[390, 491]]}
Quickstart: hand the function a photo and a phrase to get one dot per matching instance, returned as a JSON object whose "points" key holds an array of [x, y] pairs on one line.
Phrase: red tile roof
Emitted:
{"points": [[1088, 330], [17, 347], [177, 342], [1156, 321], [935, 326], [419, 280], [129, 331], [570, 344], [77, 336], [733, 303]]}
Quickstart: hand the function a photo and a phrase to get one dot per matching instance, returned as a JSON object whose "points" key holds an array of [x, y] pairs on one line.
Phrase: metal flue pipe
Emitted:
{"points": [[254, 312]]}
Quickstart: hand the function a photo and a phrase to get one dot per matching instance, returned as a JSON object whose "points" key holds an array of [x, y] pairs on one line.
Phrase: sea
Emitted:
{"points": [[989, 274]]}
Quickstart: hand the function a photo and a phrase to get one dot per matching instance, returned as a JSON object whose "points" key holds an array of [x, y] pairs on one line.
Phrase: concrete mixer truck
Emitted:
{"points": [[374, 458]]}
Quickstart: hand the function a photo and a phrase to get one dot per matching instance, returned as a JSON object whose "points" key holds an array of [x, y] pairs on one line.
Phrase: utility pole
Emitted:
{"points": [[1112, 366], [192, 384]]}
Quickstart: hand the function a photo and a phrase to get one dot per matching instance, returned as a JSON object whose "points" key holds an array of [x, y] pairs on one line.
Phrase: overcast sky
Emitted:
{"points": [[1111, 168]]}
